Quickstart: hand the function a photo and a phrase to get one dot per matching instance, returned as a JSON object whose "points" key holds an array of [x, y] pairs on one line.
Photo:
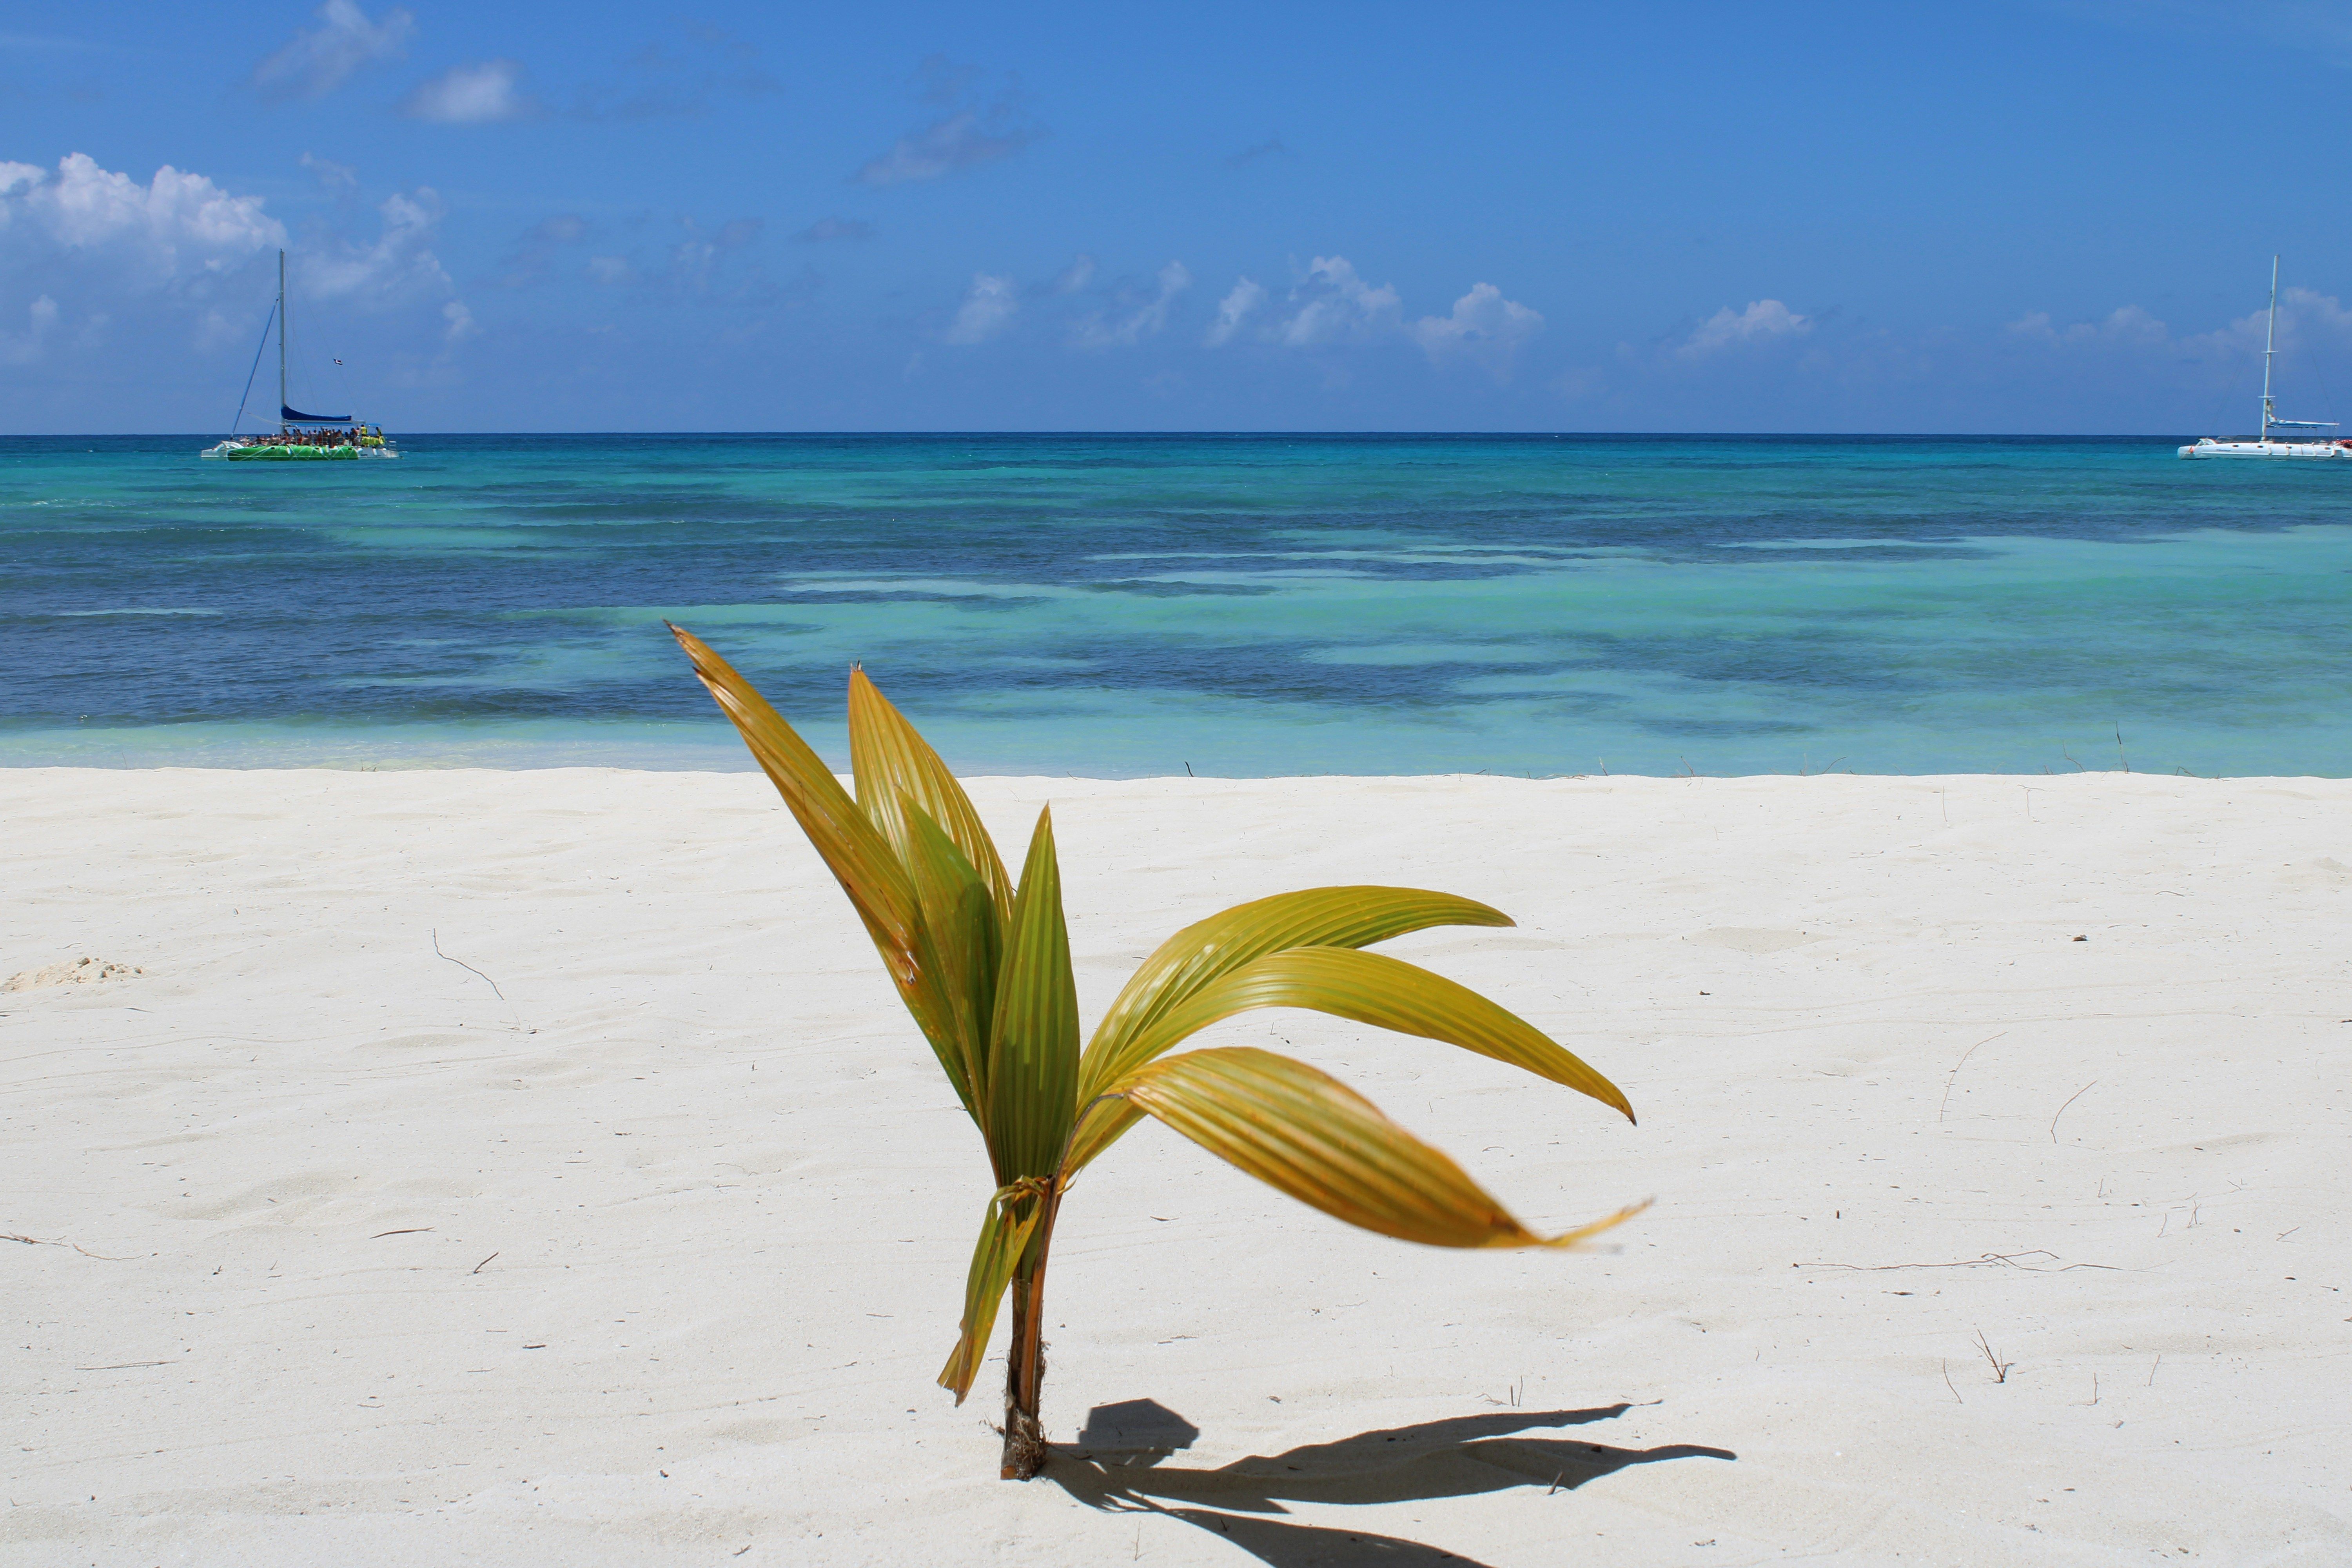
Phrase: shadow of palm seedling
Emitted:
{"points": [[1118, 1464]]}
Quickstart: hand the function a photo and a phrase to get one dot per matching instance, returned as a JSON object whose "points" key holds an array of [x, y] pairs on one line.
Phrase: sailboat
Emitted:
{"points": [[2288, 444], [301, 438]]}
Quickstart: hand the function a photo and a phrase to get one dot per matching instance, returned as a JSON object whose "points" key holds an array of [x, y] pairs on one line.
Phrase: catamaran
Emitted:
{"points": [[2313, 444], [301, 438]]}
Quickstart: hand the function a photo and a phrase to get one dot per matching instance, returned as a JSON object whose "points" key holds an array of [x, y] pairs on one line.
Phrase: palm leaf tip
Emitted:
{"points": [[1583, 1233], [1306, 1134]]}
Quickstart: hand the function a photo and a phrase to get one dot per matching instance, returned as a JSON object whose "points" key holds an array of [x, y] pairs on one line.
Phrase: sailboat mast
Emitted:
{"points": [[282, 405], [2270, 347]]}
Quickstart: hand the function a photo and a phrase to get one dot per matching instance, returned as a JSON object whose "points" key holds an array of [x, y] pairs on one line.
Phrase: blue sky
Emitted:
{"points": [[1992, 218]]}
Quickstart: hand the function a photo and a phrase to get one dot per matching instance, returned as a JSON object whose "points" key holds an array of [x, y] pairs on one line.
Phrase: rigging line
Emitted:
{"points": [[249, 375]]}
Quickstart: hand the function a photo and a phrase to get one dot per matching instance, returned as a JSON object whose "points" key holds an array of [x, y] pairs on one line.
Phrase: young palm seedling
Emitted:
{"points": [[983, 964]]}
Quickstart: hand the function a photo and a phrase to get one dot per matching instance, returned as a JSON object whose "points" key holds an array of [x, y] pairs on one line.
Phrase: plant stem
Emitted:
{"points": [[1025, 1369]]}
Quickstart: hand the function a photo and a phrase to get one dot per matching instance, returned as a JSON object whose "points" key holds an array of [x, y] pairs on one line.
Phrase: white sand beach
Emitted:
{"points": [[1998, 1128]]}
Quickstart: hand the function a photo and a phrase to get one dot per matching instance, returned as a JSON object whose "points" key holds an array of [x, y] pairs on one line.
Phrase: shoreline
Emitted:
{"points": [[535, 1166], [751, 769]]}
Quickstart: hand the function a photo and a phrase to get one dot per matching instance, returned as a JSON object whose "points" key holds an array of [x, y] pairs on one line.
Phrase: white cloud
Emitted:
{"points": [[1333, 305], [1484, 329], [1076, 276], [1233, 309], [2305, 316], [474, 94], [970, 133], [964, 139], [315, 63], [41, 318], [1102, 330], [2309, 307], [2127, 325], [333, 176], [1763, 320], [398, 266], [695, 261], [987, 309], [176, 228]]}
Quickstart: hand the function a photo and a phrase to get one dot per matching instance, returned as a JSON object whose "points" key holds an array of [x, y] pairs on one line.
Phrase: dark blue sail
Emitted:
{"points": [[291, 417]]}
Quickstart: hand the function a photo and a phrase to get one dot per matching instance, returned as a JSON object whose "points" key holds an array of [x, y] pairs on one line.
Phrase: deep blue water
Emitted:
{"points": [[1244, 604]]}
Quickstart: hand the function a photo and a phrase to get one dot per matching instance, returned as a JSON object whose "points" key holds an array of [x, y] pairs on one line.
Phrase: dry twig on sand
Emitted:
{"points": [[2070, 1100], [1955, 1073], [86, 1252]]}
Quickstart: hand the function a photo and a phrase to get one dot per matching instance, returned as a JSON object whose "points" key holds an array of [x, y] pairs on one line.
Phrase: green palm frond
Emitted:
{"points": [[1033, 1067]]}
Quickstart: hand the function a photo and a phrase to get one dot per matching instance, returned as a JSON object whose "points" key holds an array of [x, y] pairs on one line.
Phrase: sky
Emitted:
{"points": [[2032, 217]]}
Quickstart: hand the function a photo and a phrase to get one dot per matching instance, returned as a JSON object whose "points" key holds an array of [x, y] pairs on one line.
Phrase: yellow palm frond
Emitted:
{"points": [[1206, 951], [891, 761], [1004, 1236], [1303, 1132]]}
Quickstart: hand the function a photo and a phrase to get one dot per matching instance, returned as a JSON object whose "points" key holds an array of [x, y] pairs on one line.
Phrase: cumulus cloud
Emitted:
{"points": [[825, 230], [334, 176], [2305, 316], [398, 266], [1763, 322], [460, 323], [2307, 307], [1333, 305], [2129, 325], [1140, 318], [1484, 329], [23, 348], [318, 61], [1236, 307], [988, 308], [972, 128], [174, 229], [479, 93]]}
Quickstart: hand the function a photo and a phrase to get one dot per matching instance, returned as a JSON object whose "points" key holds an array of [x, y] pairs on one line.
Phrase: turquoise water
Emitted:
{"points": [[1118, 605]]}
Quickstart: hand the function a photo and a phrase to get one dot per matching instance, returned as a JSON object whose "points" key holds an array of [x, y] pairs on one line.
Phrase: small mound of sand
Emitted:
{"points": [[70, 972]]}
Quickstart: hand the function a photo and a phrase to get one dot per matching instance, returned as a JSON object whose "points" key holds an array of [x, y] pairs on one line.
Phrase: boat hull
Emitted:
{"points": [[2307, 451], [261, 454]]}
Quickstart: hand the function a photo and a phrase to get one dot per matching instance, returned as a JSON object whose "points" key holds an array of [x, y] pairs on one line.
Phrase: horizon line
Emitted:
{"points": [[1104, 434]]}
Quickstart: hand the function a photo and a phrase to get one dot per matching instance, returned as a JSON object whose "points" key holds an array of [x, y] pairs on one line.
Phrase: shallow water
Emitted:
{"points": [[1119, 605]]}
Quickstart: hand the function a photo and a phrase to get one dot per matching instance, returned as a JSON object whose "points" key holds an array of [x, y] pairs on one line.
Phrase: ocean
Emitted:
{"points": [[1123, 605]]}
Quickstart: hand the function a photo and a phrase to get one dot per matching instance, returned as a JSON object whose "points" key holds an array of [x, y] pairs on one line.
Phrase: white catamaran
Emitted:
{"points": [[2313, 445], [301, 438]]}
